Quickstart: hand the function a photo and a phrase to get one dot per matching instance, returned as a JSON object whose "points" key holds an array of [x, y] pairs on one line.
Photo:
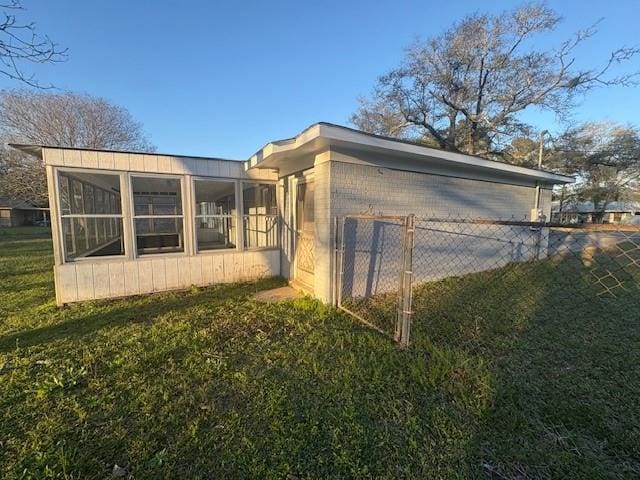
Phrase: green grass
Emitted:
{"points": [[213, 384]]}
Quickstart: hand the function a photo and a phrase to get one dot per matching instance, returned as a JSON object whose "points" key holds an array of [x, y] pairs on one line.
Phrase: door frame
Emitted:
{"points": [[306, 177]]}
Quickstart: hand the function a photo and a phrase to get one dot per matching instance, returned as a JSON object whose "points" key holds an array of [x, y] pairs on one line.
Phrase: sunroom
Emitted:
{"points": [[132, 223]]}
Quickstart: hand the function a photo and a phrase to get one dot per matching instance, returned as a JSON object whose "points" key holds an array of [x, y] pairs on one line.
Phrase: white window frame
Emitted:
{"points": [[236, 217], [134, 217], [61, 215], [243, 216]]}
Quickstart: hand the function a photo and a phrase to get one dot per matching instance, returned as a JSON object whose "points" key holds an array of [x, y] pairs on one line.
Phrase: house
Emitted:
{"points": [[128, 223], [585, 212], [15, 213]]}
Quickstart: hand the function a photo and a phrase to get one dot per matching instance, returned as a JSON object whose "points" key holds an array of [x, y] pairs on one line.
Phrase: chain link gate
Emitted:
{"points": [[397, 269], [375, 274]]}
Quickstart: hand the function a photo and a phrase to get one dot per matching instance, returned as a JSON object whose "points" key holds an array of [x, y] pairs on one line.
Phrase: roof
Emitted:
{"points": [[36, 151], [587, 207], [6, 202], [325, 134]]}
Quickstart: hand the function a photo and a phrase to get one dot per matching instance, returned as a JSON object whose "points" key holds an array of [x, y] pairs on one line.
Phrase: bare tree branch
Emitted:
{"points": [[465, 88], [20, 44]]}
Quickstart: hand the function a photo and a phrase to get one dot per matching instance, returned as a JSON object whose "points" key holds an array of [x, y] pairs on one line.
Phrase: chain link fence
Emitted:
{"points": [[399, 271]]}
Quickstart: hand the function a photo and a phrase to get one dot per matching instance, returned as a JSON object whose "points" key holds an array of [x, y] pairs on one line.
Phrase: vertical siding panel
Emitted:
{"points": [[228, 268], [164, 164], [171, 272], [213, 168], [136, 162], [224, 169], [274, 263], [196, 270], [150, 163], [201, 167], [89, 159], [238, 266], [84, 275], [159, 275], [53, 156], [177, 165], [145, 276], [106, 160], [190, 166], [249, 263], [131, 286], [183, 272], [233, 267], [217, 263], [207, 269], [121, 161], [116, 280], [235, 169], [72, 158], [68, 284], [101, 280]]}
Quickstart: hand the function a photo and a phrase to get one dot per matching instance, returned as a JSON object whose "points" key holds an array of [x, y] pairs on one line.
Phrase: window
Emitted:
{"points": [[260, 215], [157, 215], [215, 214], [5, 213], [91, 214]]}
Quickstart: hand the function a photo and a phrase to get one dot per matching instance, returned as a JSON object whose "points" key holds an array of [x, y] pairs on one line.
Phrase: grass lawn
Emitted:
{"points": [[213, 384]]}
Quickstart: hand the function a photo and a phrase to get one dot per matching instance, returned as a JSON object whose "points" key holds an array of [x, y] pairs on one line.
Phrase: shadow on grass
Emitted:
{"points": [[559, 358], [89, 317]]}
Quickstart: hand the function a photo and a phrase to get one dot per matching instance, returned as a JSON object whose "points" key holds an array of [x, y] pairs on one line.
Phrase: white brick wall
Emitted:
{"points": [[354, 188], [357, 188]]}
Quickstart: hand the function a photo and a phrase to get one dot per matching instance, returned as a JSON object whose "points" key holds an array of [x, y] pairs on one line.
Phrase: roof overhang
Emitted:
{"points": [[35, 150], [323, 136]]}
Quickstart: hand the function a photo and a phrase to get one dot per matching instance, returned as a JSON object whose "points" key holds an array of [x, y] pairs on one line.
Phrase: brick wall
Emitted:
{"points": [[355, 188]]}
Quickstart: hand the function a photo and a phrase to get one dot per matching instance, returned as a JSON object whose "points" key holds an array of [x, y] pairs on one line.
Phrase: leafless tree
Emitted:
{"points": [[22, 177], [58, 119], [605, 158], [20, 44], [465, 88], [70, 120]]}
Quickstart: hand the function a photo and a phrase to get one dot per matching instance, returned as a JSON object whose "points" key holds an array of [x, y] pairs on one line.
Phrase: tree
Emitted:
{"points": [[465, 88], [22, 177], [63, 119], [20, 44], [605, 158], [70, 120]]}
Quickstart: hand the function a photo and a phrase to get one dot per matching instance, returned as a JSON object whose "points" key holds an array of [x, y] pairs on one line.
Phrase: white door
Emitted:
{"points": [[304, 235]]}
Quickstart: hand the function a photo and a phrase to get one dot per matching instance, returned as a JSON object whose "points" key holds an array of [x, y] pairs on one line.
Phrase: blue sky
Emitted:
{"points": [[221, 78]]}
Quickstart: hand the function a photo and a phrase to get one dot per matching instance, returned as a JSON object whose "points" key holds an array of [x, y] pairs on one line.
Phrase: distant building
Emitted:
{"points": [[585, 212], [15, 213]]}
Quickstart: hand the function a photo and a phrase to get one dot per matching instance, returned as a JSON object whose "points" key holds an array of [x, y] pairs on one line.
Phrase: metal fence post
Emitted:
{"points": [[403, 323]]}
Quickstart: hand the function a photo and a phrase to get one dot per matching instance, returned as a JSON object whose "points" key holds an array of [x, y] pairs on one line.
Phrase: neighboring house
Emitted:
{"points": [[16, 213], [129, 223], [585, 212]]}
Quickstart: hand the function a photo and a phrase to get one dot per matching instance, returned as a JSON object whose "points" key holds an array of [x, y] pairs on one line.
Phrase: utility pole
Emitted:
{"points": [[540, 151]]}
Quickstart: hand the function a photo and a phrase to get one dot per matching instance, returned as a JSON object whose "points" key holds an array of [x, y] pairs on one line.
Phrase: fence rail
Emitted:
{"points": [[392, 267]]}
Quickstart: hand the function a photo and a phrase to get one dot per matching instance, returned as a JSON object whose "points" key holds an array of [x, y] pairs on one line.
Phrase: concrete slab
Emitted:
{"points": [[278, 294]]}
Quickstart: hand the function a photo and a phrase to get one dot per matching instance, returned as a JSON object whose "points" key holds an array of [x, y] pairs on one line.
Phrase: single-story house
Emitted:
{"points": [[16, 213], [585, 212], [127, 223]]}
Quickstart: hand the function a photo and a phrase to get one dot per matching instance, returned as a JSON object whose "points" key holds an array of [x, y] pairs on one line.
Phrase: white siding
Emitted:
{"points": [[123, 278]]}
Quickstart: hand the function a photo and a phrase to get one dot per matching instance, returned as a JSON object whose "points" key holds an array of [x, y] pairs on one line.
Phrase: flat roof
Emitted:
{"points": [[36, 151], [325, 134]]}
